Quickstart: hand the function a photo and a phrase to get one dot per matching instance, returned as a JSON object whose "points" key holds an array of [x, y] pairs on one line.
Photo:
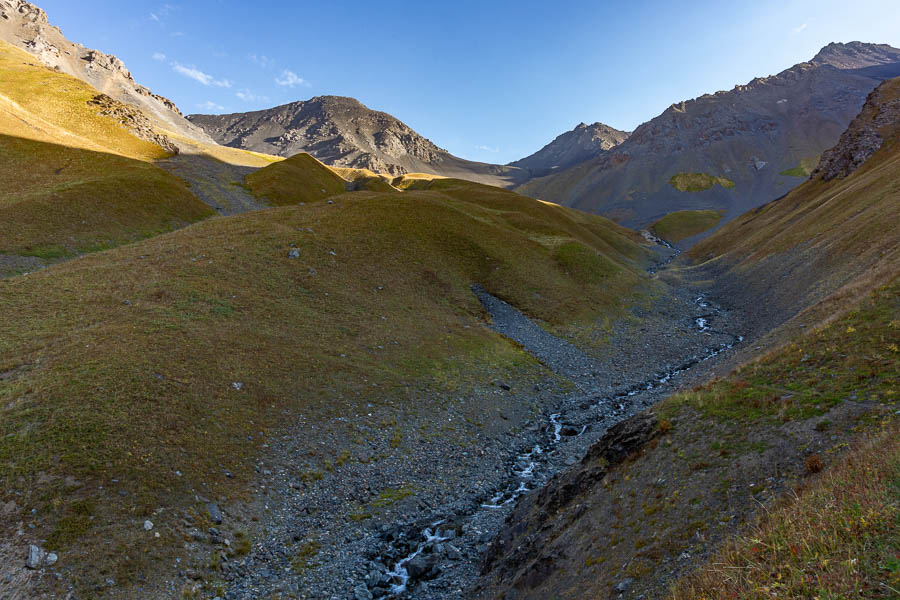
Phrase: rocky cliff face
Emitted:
{"points": [[343, 132], [26, 26], [750, 135], [571, 148], [878, 120]]}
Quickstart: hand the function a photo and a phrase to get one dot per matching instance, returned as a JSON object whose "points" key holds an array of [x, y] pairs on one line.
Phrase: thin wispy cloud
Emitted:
{"points": [[162, 12], [210, 106], [799, 28], [248, 96], [261, 60], [492, 150], [290, 79], [199, 76], [159, 56]]}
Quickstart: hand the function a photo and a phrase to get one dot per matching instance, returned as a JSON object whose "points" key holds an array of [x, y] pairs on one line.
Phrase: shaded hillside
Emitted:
{"points": [[342, 132], [138, 378], [26, 26], [571, 148], [756, 135], [824, 235]]}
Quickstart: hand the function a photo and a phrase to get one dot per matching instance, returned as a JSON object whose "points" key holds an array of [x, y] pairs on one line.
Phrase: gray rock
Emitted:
{"points": [[214, 513], [361, 592], [294, 253], [35, 557], [51, 559], [624, 585], [421, 566], [148, 525]]}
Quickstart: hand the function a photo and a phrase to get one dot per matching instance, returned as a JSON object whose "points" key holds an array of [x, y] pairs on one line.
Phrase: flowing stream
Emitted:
{"points": [[529, 469]]}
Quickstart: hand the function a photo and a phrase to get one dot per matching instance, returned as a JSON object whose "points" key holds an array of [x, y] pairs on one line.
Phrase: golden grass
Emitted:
{"points": [[225, 154], [680, 225], [71, 180], [301, 178], [837, 538], [41, 104]]}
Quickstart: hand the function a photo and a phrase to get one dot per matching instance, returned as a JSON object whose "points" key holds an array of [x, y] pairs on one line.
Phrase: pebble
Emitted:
{"points": [[148, 525]]}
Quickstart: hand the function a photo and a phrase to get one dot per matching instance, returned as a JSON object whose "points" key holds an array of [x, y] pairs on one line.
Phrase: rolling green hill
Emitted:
{"points": [[125, 366]]}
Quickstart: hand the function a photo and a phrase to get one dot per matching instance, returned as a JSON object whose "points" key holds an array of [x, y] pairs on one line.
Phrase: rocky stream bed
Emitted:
{"points": [[433, 546]]}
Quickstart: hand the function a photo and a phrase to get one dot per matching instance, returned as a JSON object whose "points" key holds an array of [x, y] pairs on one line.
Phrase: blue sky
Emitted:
{"points": [[491, 81]]}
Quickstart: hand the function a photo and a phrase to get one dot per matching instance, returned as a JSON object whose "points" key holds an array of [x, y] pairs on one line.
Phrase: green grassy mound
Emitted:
{"points": [[698, 182], [680, 225], [300, 178], [121, 365]]}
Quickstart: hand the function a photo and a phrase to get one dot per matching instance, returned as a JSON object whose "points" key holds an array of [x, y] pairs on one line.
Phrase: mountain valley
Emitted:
{"points": [[305, 352]]}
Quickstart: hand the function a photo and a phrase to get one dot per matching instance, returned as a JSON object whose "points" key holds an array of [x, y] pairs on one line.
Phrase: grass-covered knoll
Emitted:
{"points": [[698, 182], [226, 154], [680, 225], [120, 365], [300, 178]]}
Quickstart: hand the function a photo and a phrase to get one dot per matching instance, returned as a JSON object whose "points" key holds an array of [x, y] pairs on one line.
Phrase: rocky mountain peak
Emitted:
{"points": [[582, 143], [343, 132], [856, 55]]}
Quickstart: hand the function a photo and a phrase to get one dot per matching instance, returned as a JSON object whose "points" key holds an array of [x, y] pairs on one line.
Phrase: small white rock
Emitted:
{"points": [[148, 525], [51, 559]]}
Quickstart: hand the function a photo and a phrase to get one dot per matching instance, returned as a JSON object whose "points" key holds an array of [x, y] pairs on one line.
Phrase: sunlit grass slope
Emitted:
{"points": [[680, 225], [121, 364], [72, 180], [300, 178]]}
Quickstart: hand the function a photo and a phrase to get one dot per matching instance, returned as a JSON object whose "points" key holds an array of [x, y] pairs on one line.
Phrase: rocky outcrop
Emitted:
{"points": [[749, 135], [879, 119], [26, 26], [133, 120], [571, 148], [343, 132], [521, 556]]}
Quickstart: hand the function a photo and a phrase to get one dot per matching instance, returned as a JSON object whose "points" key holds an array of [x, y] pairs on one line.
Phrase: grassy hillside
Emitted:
{"points": [[120, 368], [72, 180], [680, 225], [300, 178]]}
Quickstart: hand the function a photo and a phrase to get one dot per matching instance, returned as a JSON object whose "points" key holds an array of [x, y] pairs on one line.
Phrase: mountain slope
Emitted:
{"points": [[26, 26], [757, 135], [77, 172], [571, 148], [655, 499], [342, 132]]}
